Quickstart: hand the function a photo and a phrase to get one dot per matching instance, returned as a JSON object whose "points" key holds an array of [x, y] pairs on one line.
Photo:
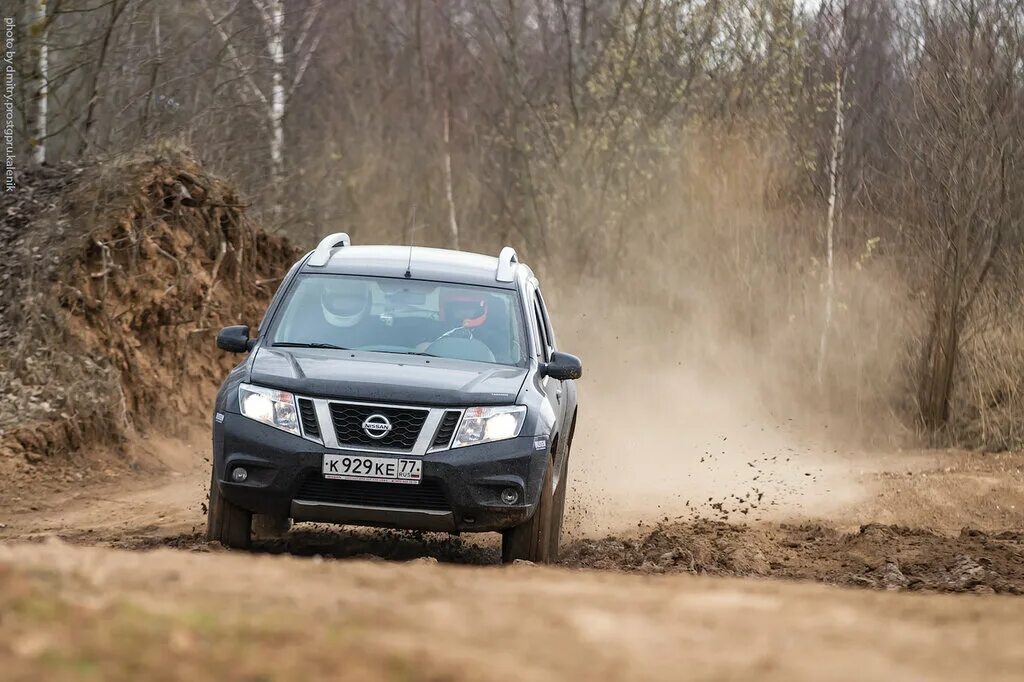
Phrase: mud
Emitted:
{"points": [[875, 556], [163, 506], [311, 540]]}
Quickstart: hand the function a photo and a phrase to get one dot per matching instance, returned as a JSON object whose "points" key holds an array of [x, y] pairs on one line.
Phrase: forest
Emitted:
{"points": [[831, 191]]}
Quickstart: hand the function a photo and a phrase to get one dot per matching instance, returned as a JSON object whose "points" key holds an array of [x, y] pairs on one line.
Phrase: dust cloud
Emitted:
{"points": [[701, 395], [668, 433]]}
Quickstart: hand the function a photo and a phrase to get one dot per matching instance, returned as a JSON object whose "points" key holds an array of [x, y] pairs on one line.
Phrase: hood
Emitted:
{"points": [[386, 377]]}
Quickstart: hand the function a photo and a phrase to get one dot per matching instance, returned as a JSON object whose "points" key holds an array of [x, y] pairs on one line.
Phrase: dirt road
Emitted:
{"points": [[74, 603], [720, 529], [72, 612]]}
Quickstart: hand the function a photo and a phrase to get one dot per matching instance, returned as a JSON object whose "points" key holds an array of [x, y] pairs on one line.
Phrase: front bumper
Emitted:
{"points": [[471, 479]]}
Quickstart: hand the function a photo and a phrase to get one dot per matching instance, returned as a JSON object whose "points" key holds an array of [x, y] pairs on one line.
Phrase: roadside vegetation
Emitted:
{"points": [[828, 194]]}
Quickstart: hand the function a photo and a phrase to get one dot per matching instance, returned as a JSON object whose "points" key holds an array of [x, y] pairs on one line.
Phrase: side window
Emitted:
{"points": [[532, 324], [542, 329], [548, 331]]}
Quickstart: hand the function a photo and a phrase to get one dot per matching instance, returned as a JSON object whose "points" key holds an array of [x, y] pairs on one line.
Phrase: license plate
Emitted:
{"points": [[379, 469]]}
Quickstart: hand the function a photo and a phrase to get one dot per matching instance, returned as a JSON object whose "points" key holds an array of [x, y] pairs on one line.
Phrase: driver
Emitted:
{"points": [[463, 309], [345, 302]]}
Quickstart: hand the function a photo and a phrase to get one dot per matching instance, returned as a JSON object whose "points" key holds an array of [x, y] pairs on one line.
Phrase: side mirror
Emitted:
{"points": [[235, 339], [562, 366]]}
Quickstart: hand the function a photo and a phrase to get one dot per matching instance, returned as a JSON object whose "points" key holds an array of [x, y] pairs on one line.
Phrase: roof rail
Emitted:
{"points": [[506, 259], [325, 249]]}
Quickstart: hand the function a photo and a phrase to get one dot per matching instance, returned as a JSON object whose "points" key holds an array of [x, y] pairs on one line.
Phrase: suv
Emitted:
{"points": [[399, 387]]}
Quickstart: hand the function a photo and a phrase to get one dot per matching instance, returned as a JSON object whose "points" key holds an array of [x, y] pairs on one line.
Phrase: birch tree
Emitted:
{"points": [[453, 223], [272, 14], [37, 84], [837, 26], [273, 100], [449, 191]]}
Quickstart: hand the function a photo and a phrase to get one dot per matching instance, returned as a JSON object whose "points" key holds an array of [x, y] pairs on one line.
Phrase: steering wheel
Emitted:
{"points": [[453, 333]]}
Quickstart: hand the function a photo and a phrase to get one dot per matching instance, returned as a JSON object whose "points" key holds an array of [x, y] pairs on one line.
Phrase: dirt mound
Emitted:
{"points": [[116, 277], [878, 556]]}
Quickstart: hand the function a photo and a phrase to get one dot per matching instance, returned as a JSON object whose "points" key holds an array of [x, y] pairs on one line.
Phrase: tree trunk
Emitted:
{"points": [[275, 32], [153, 74], [453, 224], [115, 11], [37, 83], [830, 222], [941, 347]]}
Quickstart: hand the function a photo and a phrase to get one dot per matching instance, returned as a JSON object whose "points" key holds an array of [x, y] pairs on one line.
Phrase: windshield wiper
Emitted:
{"points": [[296, 344], [404, 352]]}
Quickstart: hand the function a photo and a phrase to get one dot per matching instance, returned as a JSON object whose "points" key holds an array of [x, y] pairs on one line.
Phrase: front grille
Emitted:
{"points": [[427, 495], [405, 425], [447, 429], [307, 414]]}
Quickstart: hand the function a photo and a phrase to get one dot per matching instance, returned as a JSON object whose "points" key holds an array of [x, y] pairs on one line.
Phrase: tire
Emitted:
{"points": [[266, 527], [558, 511], [531, 541], [558, 508], [227, 523]]}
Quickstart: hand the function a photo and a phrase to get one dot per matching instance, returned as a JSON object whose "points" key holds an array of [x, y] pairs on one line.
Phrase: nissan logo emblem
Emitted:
{"points": [[376, 426]]}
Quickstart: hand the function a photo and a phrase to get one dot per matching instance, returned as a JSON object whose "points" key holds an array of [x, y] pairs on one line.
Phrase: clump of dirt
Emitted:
{"points": [[115, 279], [876, 556]]}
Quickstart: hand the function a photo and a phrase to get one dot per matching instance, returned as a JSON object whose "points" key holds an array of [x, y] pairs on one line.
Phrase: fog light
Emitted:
{"points": [[509, 495], [239, 475]]}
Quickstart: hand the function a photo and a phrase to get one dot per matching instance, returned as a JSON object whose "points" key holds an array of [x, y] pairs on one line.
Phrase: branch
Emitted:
{"points": [[231, 48], [570, 74], [264, 13], [311, 17], [307, 53]]}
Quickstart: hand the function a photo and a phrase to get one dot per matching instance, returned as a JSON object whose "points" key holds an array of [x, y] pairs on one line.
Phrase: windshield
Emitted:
{"points": [[402, 316]]}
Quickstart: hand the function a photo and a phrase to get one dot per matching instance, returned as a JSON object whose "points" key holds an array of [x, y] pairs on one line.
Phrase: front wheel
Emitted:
{"points": [[531, 541], [227, 523], [266, 527], [558, 511]]}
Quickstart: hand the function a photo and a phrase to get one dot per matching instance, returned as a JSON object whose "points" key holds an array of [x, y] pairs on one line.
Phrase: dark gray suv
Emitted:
{"points": [[400, 387]]}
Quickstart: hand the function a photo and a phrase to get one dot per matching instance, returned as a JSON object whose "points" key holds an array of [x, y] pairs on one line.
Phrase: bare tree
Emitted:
{"points": [[741, 139], [836, 21], [117, 7], [446, 117], [961, 147], [272, 14], [272, 17], [37, 84], [449, 195]]}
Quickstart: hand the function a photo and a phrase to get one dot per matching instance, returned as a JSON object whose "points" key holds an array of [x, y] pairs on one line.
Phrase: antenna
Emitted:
{"points": [[408, 268]]}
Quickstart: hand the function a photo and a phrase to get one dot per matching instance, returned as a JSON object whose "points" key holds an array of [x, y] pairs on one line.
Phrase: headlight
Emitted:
{"points": [[270, 406], [486, 424]]}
